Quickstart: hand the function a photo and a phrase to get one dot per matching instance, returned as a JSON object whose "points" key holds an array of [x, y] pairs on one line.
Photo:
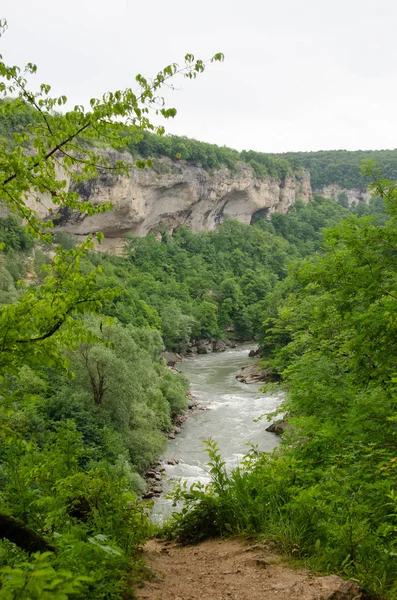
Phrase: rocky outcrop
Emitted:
{"points": [[334, 191], [254, 353], [278, 427], [208, 346], [172, 358], [175, 193], [255, 373]]}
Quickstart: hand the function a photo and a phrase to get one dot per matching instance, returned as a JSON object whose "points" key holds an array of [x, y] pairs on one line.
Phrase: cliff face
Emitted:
{"points": [[333, 190], [178, 193]]}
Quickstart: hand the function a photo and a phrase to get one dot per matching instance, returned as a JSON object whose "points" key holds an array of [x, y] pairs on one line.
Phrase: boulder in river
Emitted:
{"points": [[172, 358], [219, 346], [204, 346], [149, 494], [253, 373], [172, 461], [191, 350], [254, 353], [278, 427], [180, 419]]}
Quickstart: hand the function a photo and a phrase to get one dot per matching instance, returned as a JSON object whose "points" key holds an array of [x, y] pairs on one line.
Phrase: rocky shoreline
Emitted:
{"points": [[204, 346], [154, 475], [247, 374], [278, 427]]}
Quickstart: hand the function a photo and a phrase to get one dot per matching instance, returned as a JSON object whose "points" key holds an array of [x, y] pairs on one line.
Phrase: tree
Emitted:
{"points": [[52, 147], [64, 141], [53, 144]]}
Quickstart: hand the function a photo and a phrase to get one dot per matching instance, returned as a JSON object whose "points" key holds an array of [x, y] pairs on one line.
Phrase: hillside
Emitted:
{"points": [[207, 184], [178, 192], [88, 400], [193, 183], [342, 167]]}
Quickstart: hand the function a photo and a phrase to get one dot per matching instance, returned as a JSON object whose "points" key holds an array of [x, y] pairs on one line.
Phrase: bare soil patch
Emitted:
{"points": [[234, 570]]}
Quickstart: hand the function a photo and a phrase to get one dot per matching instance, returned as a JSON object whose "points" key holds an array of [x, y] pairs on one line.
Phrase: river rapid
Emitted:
{"points": [[231, 407]]}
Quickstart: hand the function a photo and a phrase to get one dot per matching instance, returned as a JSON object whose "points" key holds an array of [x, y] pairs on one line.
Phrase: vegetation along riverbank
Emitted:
{"points": [[87, 401]]}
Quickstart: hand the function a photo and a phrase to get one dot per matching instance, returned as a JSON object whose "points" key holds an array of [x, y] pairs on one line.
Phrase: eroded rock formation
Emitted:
{"points": [[175, 193], [334, 191]]}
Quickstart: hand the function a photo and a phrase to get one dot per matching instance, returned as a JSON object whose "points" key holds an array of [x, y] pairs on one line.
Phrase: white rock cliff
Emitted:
{"points": [[333, 190], [178, 193]]}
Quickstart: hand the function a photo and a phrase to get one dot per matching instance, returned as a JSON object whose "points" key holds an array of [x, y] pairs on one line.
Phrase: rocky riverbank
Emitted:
{"points": [[154, 476], [221, 408], [255, 373], [204, 346]]}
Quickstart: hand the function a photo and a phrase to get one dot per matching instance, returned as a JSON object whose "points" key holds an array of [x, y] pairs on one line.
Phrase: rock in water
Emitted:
{"points": [[219, 346], [254, 353], [171, 358], [278, 427]]}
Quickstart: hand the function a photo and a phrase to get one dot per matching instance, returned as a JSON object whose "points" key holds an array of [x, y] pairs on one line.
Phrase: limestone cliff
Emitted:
{"points": [[179, 193], [333, 190]]}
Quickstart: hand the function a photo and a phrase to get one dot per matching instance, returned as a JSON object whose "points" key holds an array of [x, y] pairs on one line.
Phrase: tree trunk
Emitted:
{"points": [[23, 536]]}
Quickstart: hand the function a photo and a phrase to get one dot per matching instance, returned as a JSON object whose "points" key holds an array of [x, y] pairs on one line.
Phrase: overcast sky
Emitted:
{"points": [[298, 74]]}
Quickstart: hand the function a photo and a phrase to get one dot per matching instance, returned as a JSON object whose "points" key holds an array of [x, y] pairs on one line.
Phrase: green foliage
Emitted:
{"points": [[66, 240], [209, 156], [342, 167], [13, 235], [39, 580], [14, 119], [209, 285], [328, 496], [85, 401], [95, 519]]}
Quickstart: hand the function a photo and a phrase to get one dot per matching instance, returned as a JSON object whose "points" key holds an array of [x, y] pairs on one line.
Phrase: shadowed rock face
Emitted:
{"points": [[179, 193], [333, 190]]}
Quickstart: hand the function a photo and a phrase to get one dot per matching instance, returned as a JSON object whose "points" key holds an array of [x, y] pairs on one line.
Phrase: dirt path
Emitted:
{"points": [[233, 570]]}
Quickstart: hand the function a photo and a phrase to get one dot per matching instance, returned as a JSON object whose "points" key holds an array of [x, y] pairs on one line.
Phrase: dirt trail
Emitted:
{"points": [[234, 570]]}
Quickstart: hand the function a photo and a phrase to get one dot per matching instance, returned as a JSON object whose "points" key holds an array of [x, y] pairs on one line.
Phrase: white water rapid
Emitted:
{"points": [[232, 407]]}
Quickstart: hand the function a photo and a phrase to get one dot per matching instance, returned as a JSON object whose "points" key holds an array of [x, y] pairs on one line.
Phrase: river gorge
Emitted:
{"points": [[226, 412]]}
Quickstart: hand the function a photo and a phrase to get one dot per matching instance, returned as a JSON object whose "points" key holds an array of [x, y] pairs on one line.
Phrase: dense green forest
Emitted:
{"points": [[214, 284], [14, 118], [75, 447], [328, 496], [86, 399], [342, 167], [209, 156]]}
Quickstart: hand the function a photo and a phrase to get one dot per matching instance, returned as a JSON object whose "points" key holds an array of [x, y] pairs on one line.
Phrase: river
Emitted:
{"points": [[232, 407]]}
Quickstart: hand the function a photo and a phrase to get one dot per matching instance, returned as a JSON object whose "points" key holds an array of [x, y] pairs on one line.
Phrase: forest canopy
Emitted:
{"points": [[342, 167]]}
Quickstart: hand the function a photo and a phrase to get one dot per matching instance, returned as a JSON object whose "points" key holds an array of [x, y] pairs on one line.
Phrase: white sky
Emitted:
{"points": [[298, 74]]}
